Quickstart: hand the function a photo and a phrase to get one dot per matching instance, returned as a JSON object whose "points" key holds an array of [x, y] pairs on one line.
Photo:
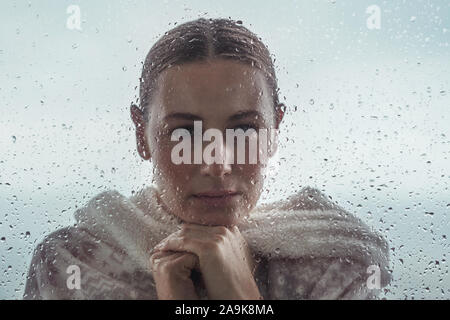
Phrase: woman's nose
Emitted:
{"points": [[218, 162], [216, 169]]}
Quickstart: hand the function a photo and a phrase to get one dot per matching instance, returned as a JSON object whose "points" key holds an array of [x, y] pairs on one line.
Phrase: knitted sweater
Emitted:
{"points": [[305, 247]]}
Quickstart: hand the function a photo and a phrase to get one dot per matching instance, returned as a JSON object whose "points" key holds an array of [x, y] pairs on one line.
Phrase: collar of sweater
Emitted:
{"points": [[307, 224]]}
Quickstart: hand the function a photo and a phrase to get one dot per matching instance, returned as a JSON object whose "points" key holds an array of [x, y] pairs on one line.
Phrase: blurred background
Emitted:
{"points": [[367, 89]]}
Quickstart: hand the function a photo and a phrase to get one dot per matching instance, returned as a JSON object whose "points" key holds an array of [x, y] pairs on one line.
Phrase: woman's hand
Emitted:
{"points": [[225, 261], [171, 272]]}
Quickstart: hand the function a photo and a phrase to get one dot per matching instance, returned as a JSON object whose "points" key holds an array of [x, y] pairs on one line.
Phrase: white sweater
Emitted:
{"points": [[306, 247]]}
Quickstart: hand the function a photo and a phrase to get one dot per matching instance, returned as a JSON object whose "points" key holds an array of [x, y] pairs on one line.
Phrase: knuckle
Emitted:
{"points": [[183, 238], [168, 266], [211, 245], [219, 238], [155, 264], [183, 229], [162, 263], [223, 231], [155, 256], [188, 257]]}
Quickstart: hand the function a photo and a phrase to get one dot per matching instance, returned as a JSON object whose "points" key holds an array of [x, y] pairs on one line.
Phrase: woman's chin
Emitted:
{"points": [[209, 213], [213, 218]]}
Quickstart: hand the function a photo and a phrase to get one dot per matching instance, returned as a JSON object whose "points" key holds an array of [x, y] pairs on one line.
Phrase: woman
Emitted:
{"points": [[197, 233]]}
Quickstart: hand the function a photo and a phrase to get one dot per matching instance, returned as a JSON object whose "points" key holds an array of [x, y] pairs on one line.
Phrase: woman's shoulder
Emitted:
{"points": [[51, 259], [308, 233], [94, 247], [307, 198], [319, 278], [104, 271], [67, 242], [309, 207]]}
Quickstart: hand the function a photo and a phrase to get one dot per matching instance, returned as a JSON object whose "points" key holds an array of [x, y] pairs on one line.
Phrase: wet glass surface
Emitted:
{"points": [[367, 95]]}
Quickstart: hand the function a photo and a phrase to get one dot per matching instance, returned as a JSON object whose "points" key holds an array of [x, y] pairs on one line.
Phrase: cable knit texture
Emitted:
{"points": [[306, 247]]}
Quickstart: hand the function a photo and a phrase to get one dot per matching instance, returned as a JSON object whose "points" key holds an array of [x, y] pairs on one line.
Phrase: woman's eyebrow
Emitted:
{"points": [[182, 115], [190, 116], [244, 114]]}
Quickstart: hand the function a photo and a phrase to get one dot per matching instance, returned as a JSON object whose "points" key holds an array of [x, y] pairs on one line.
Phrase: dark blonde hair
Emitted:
{"points": [[205, 39]]}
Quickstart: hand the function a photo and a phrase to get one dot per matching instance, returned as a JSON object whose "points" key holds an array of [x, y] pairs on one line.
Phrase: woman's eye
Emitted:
{"points": [[188, 128], [245, 127]]}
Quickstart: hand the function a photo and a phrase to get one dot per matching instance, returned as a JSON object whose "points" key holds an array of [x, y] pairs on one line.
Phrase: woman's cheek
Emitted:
{"points": [[252, 176], [175, 175], [171, 179]]}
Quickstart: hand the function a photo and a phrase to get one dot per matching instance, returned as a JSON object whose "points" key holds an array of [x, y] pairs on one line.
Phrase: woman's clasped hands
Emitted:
{"points": [[220, 254]]}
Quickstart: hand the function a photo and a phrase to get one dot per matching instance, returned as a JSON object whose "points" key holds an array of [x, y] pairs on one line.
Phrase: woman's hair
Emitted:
{"points": [[200, 40]]}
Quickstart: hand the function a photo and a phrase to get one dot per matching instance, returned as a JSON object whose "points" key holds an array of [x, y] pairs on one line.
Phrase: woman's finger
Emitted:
{"points": [[172, 274], [161, 257], [213, 233], [183, 260], [192, 241], [187, 261], [178, 243], [201, 240], [220, 230]]}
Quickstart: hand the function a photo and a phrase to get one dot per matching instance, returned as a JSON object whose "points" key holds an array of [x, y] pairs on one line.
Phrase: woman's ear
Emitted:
{"points": [[280, 109], [274, 132], [139, 121], [273, 146]]}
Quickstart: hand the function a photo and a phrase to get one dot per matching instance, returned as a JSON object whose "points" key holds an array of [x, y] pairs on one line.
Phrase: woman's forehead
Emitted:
{"points": [[213, 89]]}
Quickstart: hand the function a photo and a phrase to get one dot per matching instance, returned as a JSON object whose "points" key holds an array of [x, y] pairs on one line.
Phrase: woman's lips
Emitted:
{"points": [[224, 197], [216, 193]]}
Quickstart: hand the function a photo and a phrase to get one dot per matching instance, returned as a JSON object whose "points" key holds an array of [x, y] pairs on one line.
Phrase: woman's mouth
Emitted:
{"points": [[217, 198]]}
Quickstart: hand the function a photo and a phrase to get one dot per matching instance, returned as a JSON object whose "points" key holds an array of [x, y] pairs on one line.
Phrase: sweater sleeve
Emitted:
{"points": [[47, 277], [104, 272], [341, 267], [319, 279]]}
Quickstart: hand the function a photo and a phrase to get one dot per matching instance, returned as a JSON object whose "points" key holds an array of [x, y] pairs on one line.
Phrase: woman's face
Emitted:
{"points": [[222, 94]]}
